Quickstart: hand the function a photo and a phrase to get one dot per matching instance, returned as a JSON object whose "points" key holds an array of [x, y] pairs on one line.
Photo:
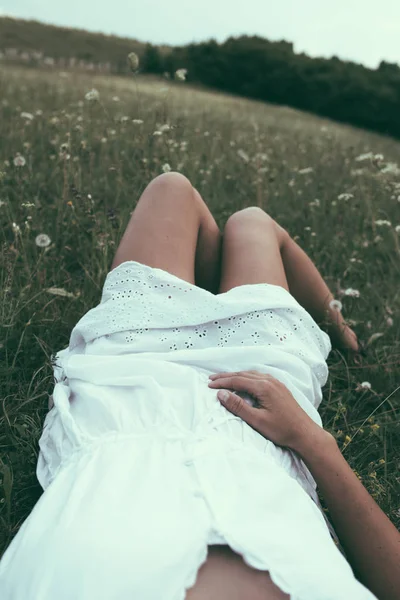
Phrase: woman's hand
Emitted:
{"points": [[278, 417]]}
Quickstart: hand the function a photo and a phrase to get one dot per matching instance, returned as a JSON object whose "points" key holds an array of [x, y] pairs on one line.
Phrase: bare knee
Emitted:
{"points": [[251, 216], [172, 178], [254, 216]]}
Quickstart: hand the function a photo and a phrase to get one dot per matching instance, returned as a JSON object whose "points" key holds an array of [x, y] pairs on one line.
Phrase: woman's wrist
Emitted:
{"points": [[314, 441]]}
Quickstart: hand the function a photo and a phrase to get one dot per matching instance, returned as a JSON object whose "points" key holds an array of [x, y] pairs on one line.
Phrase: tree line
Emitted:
{"points": [[248, 66]]}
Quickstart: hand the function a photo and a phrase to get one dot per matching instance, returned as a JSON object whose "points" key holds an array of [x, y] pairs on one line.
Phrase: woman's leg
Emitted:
{"points": [[209, 250], [258, 250], [225, 576], [172, 229], [311, 291]]}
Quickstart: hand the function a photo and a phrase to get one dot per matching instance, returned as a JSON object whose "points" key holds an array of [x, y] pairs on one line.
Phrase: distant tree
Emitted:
{"points": [[152, 61]]}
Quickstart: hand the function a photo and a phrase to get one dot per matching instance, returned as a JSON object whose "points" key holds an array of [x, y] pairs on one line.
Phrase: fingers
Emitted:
{"points": [[254, 374], [238, 383]]}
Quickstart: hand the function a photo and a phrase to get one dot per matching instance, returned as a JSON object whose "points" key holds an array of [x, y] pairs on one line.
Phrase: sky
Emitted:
{"points": [[362, 31]]}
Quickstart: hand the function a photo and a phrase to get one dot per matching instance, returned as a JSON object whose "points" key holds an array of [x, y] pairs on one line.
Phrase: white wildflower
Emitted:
{"points": [[133, 61], [345, 197], [115, 98], [243, 155], [305, 171], [365, 385], [336, 305], [19, 160], [166, 168], [93, 94], [157, 132], [389, 322], [16, 228], [42, 240], [381, 222], [397, 229], [180, 74], [39, 112], [28, 204], [364, 156], [137, 121], [391, 168], [60, 292], [26, 115], [351, 292], [103, 140], [164, 127], [378, 157], [315, 202]]}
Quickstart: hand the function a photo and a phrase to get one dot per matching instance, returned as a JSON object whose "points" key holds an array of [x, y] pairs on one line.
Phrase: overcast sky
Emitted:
{"points": [[363, 31]]}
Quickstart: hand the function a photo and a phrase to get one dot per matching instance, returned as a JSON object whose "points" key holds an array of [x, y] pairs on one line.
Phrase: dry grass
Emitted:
{"points": [[236, 153]]}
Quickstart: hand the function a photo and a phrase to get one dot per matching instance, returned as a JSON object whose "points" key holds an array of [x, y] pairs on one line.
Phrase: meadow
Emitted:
{"points": [[72, 167]]}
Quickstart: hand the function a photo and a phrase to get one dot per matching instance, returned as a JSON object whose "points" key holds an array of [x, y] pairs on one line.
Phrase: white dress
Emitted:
{"points": [[143, 468]]}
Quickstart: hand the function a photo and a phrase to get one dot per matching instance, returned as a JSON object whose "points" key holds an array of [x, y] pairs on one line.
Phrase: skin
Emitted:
{"points": [[369, 538], [172, 228]]}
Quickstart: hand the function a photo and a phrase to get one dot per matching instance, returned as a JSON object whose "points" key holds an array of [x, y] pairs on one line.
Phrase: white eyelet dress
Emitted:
{"points": [[143, 468]]}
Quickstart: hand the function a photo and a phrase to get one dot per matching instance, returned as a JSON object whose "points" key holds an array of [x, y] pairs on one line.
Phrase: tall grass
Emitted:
{"points": [[86, 165]]}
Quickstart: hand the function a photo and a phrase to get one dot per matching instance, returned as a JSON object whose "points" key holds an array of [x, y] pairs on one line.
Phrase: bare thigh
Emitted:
{"points": [[251, 251], [225, 576], [164, 227]]}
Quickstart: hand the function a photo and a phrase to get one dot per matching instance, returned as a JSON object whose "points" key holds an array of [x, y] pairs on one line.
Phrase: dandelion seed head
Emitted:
{"points": [[19, 160], [336, 305], [366, 385], [42, 240], [352, 292], [133, 61], [180, 74]]}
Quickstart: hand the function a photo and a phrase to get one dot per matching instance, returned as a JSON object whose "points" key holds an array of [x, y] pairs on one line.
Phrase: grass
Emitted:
{"points": [[237, 153]]}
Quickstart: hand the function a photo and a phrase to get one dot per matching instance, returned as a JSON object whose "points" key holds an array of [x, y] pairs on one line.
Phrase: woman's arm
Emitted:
{"points": [[369, 538]]}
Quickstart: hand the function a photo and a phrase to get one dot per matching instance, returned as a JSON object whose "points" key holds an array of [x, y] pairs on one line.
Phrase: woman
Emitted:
{"points": [[153, 489]]}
